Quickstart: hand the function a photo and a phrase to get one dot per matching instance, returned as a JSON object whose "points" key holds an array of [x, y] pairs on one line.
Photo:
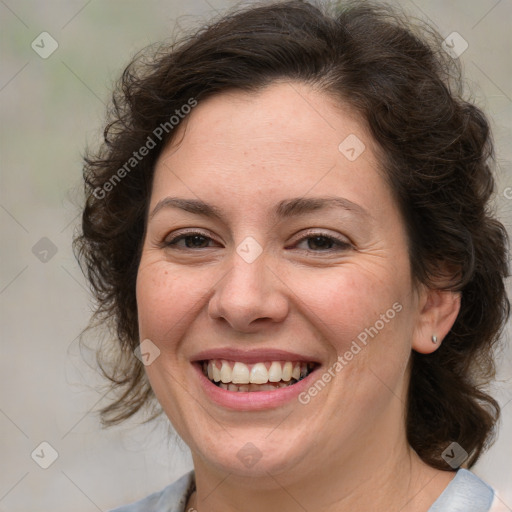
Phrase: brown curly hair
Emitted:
{"points": [[437, 153]]}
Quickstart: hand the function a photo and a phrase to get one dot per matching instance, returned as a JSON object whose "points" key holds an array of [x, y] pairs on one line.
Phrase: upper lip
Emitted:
{"points": [[252, 356]]}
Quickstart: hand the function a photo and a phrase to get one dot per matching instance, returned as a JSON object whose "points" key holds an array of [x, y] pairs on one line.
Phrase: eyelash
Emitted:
{"points": [[342, 244]]}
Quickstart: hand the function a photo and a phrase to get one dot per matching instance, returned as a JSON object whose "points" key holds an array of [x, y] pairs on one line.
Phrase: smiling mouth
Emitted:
{"points": [[265, 376]]}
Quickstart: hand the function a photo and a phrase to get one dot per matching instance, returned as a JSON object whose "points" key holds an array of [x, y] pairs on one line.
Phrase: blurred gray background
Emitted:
{"points": [[50, 108]]}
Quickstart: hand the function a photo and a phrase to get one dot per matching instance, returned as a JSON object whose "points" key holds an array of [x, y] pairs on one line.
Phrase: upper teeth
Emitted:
{"points": [[260, 373]]}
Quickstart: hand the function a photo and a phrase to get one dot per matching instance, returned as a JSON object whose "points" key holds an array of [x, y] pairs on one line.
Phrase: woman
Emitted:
{"points": [[288, 226]]}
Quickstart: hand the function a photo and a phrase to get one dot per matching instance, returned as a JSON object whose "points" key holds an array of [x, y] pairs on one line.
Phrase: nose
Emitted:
{"points": [[249, 296]]}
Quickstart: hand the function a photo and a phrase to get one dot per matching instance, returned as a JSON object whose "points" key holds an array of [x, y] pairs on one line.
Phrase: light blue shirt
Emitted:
{"points": [[465, 493]]}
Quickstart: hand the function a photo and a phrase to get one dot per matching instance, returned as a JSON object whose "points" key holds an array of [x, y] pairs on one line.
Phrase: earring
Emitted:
{"points": [[434, 339]]}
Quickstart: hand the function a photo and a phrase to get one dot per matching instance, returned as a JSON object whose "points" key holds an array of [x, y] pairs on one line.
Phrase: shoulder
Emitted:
{"points": [[466, 493], [172, 498]]}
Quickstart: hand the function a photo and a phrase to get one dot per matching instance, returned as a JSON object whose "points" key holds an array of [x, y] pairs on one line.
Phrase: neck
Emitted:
{"points": [[393, 478]]}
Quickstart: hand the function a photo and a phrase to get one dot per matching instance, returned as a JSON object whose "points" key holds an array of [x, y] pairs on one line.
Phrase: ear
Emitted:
{"points": [[437, 312]]}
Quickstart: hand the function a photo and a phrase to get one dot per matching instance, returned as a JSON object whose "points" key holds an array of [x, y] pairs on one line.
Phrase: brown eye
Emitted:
{"points": [[320, 242], [191, 241]]}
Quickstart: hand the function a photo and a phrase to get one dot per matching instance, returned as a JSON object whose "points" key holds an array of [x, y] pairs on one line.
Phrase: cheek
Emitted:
{"points": [[347, 300], [164, 299], [362, 315], [365, 323]]}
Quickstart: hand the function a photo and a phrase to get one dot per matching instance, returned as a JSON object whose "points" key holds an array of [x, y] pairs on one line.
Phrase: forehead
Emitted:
{"points": [[281, 113], [286, 137]]}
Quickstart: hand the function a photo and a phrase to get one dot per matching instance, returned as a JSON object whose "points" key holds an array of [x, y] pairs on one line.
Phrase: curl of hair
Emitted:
{"points": [[436, 155]]}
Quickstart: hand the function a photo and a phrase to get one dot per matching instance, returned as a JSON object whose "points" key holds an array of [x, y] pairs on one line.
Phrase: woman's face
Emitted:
{"points": [[273, 242]]}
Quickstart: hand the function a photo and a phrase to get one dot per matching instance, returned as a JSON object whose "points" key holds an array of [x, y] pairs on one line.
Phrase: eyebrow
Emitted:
{"points": [[284, 209]]}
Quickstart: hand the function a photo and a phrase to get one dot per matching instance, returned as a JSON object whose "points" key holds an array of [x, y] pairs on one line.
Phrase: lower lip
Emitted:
{"points": [[253, 400]]}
